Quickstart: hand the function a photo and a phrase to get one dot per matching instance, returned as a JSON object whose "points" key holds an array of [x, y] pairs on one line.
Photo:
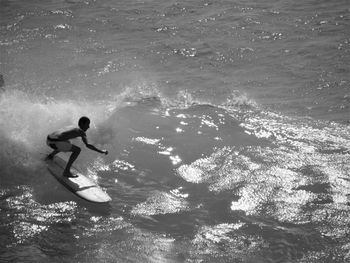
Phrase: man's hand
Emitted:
{"points": [[91, 147]]}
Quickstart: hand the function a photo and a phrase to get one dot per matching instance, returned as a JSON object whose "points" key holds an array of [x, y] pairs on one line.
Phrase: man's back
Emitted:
{"points": [[67, 134]]}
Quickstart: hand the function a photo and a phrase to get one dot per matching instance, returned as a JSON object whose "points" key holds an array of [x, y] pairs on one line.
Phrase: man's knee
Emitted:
{"points": [[76, 149]]}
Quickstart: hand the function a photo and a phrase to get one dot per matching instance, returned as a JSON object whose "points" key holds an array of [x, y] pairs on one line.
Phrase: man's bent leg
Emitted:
{"points": [[75, 153]]}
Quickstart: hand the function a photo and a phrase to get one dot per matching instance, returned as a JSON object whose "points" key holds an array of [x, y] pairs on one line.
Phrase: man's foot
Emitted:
{"points": [[68, 174], [49, 157]]}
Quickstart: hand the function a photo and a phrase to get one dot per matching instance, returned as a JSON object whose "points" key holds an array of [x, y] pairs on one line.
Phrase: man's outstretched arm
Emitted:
{"points": [[91, 147]]}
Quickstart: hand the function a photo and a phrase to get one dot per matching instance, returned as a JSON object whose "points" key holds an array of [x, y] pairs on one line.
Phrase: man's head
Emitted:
{"points": [[84, 123]]}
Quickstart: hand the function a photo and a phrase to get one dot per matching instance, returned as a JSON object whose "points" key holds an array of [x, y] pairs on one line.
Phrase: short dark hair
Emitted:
{"points": [[83, 120]]}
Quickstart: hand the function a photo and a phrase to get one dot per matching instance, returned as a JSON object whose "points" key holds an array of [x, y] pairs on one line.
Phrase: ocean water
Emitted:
{"points": [[227, 126]]}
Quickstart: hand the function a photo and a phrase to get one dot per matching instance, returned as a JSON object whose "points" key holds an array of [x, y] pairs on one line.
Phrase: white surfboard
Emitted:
{"points": [[81, 185]]}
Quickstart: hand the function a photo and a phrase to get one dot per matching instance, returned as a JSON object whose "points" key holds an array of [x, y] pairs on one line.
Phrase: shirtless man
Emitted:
{"points": [[59, 142]]}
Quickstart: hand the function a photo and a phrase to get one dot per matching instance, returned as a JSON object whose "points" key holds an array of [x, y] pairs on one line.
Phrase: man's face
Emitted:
{"points": [[85, 126]]}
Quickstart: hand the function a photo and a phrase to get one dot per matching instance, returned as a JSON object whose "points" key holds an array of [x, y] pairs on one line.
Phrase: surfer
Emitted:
{"points": [[59, 142]]}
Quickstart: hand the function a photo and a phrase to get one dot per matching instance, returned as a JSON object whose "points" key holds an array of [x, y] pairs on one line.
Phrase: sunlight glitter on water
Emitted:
{"points": [[213, 240], [162, 203], [33, 218]]}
